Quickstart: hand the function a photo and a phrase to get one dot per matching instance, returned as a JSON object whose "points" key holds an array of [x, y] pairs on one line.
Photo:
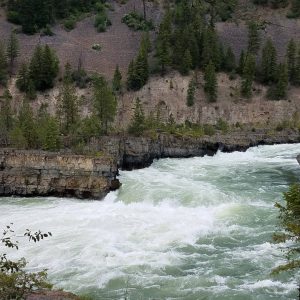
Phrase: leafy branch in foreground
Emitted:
{"points": [[15, 282], [290, 222]]}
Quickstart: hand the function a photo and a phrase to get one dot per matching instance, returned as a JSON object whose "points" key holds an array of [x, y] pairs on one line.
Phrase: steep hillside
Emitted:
{"points": [[164, 96]]}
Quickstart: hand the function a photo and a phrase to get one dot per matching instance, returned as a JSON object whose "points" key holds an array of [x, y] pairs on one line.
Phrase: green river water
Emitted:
{"points": [[197, 228]]}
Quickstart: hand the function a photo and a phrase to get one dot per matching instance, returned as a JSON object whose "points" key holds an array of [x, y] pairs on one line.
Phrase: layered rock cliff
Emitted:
{"points": [[35, 173], [138, 152]]}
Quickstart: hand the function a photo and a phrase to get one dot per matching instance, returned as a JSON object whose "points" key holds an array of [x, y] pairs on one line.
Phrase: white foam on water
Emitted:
{"points": [[179, 224]]}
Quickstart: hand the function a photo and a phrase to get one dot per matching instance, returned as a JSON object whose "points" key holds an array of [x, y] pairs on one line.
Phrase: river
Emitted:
{"points": [[197, 228]]}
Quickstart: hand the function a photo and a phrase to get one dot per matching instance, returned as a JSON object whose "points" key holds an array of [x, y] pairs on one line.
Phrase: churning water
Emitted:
{"points": [[198, 228]]}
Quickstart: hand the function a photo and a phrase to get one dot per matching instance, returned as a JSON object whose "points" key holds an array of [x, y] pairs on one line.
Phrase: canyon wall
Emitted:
{"points": [[38, 173]]}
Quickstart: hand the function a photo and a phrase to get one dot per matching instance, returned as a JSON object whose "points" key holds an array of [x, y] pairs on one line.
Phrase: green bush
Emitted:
{"points": [[222, 125], [70, 23], [136, 22]]}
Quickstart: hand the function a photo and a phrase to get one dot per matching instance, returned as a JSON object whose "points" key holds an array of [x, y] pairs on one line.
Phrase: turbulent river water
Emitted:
{"points": [[198, 228]]}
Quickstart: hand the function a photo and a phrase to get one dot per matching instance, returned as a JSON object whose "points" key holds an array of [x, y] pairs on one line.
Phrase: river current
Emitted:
{"points": [[197, 228]]}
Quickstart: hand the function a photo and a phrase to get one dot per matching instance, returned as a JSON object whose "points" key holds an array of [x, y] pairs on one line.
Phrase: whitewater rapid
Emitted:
{"points": [[198, 228]]}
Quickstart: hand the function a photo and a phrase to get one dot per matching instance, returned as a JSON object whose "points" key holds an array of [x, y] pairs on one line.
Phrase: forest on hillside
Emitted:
{"points": [[185, 40]]}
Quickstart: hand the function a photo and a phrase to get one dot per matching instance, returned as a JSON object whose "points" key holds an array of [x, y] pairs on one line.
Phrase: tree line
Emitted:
{"points": [[34, 15], [187, 40]]}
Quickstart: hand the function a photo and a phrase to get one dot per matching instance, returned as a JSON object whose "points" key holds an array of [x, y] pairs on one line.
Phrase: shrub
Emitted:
{"points": [[70, 23], [15, 281], [96, 47], [136, 22]]}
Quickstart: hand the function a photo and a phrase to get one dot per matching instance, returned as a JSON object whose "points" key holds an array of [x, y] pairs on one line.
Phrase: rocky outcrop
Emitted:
{"points": [[35, 173], [298, 159], [138, 152]]}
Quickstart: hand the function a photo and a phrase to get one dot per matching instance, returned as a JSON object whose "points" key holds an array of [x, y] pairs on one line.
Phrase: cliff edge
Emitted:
{"points": [[38, 173]]}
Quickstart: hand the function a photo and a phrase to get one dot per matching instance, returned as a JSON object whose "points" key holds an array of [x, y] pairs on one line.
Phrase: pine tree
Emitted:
{"points": [[43, 68], [211, 83], [282, 82], [297, 70], [229, 60], [186, 63], [191, 93], [68, 109], [137, 125], [146, 42], [131, 76], [23, 78], [105, 104], [12, 50], [295, 9], [163, 44], [117, 80], [50, 67], [6, 117], [138, 70], [27, 124], [241, 63], [291, 59], [142, 67], [269, 63], [248, 75], [49, 133], [3, 66], [210, 48], [253, 38]]}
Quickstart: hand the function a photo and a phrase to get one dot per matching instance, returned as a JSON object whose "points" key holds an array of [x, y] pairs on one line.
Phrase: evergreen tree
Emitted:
{"points": [[291, 59], [253, 38], [23, 78], [282, 83], [297, 70], [36, 67], [248, 75], [3, 66], [269, 63], [68, 103], [186, 63], [117, 80], [17, 138], [105, 104], [142, 67], [28, 126], [48, 133], [137, 125], [131, 76], [191, 93], [295, 9], [289, 221], [210, 48], [6, 117], [50, 67], [146, 42], [163, 43], [241, 63], [229, 60], [138, 70], [12, 50], [43, 68], [211, 83]]}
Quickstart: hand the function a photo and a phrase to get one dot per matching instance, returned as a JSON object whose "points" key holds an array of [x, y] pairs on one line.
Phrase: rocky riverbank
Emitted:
{"points": [[37, 173], [139, 152]]}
